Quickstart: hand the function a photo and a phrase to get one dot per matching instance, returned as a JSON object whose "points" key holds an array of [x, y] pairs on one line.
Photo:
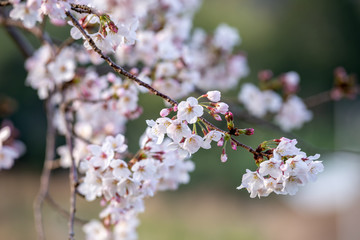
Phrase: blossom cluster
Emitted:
{"points": [[102, 105], [32, 11], [155, 40], [188, 112], [289, 111], [124, 185], [284, 172], [157, 35], [10, 149]]}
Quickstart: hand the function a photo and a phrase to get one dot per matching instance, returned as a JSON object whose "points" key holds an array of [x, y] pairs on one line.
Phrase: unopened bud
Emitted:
{"points": [[249, 131], [103, 31], [164, 112], [220, 143], [229, 116], [216, 116], [265, 75], [233, 145], [113, 28], [223, 156]]}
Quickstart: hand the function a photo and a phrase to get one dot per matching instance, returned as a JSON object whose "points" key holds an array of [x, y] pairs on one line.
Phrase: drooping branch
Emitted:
{"points": [[46, 173], [73, 176], [62, 211]]}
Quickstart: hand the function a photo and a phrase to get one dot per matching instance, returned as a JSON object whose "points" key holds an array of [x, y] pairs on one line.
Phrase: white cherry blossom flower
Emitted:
{"points": [[189, 110], [143, 170], [253, 182], [117, 143], [211, 136], [270, 167], [95, 230], [4, 135], [178, 130], [101, 156], [222, 108], [7, 157], [316, 167], [120, 169], [226, 37], [193, 143], [286, 147], [29, 13], [293, 114]]}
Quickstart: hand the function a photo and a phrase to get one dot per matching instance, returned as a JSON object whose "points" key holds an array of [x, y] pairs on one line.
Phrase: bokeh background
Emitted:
{"points": [[310, 37]]}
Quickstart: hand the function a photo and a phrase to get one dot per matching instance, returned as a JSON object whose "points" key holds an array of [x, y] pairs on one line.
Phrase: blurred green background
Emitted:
{"points": [[310, 37]]}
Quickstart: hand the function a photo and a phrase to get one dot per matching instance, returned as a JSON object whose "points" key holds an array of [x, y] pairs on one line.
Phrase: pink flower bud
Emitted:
{"points": [[221, 142], [229, 116], [249, 131], [164, 112], [216, 116], [223, 156], [233, 145], [113, 28]]}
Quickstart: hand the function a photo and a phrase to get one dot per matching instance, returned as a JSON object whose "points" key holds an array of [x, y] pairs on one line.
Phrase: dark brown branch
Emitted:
{"points": [[83, 9], [45, 176], [116, 67]]}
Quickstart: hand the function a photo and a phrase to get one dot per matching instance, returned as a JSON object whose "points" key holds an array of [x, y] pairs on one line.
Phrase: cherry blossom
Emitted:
{"points": [[189, 110]]}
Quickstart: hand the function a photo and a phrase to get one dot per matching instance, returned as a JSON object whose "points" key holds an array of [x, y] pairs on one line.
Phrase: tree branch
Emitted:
{"points": [[72, 174], [62, 211], [318, 99], [116, 67], [125, 73], [45, 176], [25, 47]]}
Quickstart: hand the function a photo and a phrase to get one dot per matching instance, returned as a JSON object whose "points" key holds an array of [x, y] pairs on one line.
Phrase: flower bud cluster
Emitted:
{"points": [[289, 111], [124, 185], [284, 172], [10, 149]]}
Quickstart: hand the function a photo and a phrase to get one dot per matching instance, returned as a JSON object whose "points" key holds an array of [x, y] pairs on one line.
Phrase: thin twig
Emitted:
{"points": [[213, 127], [125, 73], [36, 31], [45, 176], [25, 47], [62, 211], [83, 9], [318, 99], [73, 177], [116, 67]]}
